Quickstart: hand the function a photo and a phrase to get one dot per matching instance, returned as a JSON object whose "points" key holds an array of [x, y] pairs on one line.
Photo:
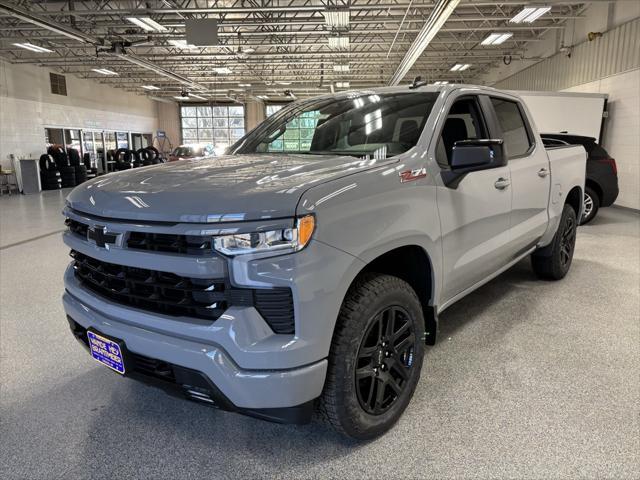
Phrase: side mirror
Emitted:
{"points": [[469, 155]]}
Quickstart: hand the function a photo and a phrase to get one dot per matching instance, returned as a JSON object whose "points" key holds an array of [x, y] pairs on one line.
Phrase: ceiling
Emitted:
{"points": [[272, 45]]}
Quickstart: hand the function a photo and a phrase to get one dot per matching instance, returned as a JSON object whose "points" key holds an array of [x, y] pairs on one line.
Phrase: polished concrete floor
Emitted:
{"points": [[530, 379]]}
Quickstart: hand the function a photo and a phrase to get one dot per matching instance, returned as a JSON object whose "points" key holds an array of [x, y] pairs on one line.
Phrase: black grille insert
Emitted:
{"points": [[76, 227], [174, 295], [160, 292], [170, 243]]}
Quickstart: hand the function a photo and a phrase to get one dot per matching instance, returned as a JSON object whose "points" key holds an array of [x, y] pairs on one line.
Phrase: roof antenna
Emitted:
{"points": [[417, 82]]}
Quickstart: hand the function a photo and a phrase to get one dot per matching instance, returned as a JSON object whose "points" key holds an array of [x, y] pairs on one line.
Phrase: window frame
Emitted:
{"points": [[525, 121]]}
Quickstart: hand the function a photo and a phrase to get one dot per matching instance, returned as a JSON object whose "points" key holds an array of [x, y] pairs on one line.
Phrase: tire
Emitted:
{"points": [[591, 206], [347, 404], [154, 152], [554, 261], [81, 174], [74, 157]]}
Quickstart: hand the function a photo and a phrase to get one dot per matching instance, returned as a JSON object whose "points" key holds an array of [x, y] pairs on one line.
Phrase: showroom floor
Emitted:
{"points": [[530, 379]]}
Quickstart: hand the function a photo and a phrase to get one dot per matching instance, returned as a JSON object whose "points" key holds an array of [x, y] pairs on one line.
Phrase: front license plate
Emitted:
{"points": [[106, 351]]}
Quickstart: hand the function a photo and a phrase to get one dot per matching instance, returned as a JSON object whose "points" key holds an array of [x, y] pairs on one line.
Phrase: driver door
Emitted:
{"points": [[475, 213]]}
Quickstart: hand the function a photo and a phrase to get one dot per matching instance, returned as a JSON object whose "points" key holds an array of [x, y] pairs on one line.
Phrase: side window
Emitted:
{"points": [[464, 122], [517, 140]]}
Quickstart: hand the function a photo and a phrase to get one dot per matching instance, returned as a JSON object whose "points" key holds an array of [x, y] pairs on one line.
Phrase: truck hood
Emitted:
{"points": [[227, 188]]}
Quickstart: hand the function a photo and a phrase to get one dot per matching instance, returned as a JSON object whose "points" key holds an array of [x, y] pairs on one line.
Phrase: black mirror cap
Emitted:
{"points": [[470, 156], [477, 154]]}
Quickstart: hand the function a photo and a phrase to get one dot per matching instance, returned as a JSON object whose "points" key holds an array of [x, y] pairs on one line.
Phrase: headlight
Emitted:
{"points": [[286, 239]]}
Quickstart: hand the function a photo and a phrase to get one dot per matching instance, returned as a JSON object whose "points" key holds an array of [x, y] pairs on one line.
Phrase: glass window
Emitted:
{"points": [[122, 139], [381, 125], [464, 122], [219, 125], [271, 109], [514, 131]]}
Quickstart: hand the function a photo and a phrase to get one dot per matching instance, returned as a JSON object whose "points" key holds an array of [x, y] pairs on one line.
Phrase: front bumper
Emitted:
{"points": [[243, 388]]}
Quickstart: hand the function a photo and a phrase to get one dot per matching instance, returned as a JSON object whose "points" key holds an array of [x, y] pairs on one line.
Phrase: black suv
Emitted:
{"points": [[601, 188]]}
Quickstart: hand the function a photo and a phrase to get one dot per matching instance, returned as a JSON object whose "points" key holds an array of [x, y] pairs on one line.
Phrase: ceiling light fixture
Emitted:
{"points": [[341, 68], [263, 97], [281, 82], [342, 84], [340, 42], [441, 82], [104, 71], [496, 38], [336, 17], [460, 67], [222, 70], [189, 96], [181, 44], [150, 87], [244, 84], [529, 14], [439, 15], [147, 24], [33, 48]]}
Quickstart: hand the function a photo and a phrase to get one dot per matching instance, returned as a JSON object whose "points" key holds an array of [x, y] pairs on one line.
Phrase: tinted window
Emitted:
{"points": [[382, 125], [514, 130], [463, 122]]}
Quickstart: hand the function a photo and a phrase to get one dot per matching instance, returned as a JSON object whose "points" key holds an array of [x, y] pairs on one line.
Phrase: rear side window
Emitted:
{"points": [[517, 140]]}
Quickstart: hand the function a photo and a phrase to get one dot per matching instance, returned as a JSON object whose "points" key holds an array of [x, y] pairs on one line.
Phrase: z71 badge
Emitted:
{"points": [[411, 175]]}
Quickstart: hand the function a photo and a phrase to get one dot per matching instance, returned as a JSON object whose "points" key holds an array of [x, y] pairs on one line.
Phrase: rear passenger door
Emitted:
{"points": [[530, 174], [474, 214]]}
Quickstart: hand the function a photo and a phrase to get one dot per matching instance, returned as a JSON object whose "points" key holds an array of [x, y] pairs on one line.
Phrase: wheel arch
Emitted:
{"points": [[595, 186], [413, 264], [575, 199]]}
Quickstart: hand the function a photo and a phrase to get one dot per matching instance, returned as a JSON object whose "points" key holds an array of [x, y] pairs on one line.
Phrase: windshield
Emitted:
{"points": [[383, 125]]}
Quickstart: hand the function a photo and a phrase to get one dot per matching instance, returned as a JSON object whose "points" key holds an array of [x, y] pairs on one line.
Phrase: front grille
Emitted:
{"points": [[170, 243], [76, 227], [174, 295], [151, 290]]}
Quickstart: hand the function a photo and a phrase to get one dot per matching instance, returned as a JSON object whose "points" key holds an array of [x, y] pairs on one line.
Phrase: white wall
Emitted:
{"points": [[622, 130], [27, 106]]}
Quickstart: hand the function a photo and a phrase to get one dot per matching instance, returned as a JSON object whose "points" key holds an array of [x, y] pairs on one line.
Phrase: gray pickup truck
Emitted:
{"points": [[305, 270]]}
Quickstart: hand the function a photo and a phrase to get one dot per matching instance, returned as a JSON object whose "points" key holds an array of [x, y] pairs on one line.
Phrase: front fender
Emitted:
{"points": [[373, 212]]}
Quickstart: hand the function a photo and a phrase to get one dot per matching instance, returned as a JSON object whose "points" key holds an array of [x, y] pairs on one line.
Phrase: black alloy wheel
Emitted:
{"points": [[384, 361]]}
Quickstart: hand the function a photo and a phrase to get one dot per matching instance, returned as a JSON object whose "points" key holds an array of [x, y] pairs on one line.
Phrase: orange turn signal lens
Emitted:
{"points": [[306, 226]]}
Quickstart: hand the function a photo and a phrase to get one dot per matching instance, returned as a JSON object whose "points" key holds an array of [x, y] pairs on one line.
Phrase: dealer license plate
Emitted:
{"points": [[106, 351]]}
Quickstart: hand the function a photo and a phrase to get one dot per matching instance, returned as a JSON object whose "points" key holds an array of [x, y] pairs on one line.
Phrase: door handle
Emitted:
{"points": [[502, 183], [543, 172]]}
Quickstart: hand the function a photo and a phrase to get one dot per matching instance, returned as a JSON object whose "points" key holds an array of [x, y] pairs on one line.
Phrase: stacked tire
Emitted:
{"points": [[124, 159], [80, 170], [68, 176], [49, 175]]}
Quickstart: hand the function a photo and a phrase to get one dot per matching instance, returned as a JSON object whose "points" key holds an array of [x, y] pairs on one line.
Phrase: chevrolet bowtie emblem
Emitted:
{"points": [[101, 236]]}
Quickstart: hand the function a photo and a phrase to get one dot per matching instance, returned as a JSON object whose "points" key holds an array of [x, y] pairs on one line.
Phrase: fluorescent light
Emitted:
{"points": [[189, 97], [339, 42], [104, 71], [460, 67], [336, 17], [342, 84], [496, 38], [150, 87], [439, 15], [33, 48], [263, 97], [280, 82], [147, 24], [222, 70], [341, 68], [529, 14], [181, 43], [441, 82], [244, 84]]}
